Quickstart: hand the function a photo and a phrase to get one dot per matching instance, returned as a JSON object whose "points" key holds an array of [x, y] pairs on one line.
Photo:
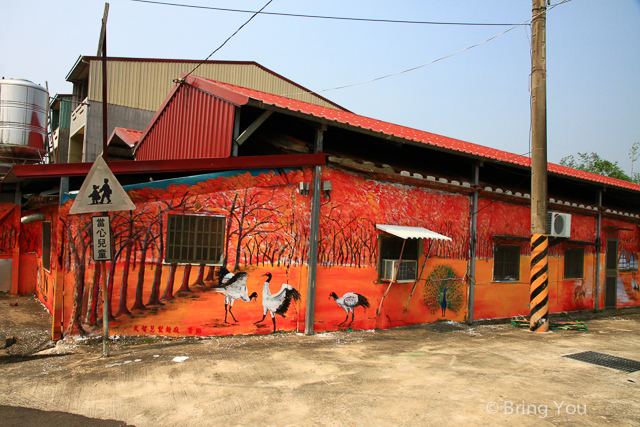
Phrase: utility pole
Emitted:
{"points": [[102, 51], [539, 291]]}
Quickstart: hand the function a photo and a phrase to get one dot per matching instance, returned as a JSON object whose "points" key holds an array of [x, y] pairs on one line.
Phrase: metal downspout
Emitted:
{"points": [[313, 239], [474, 229], [598, 246]]}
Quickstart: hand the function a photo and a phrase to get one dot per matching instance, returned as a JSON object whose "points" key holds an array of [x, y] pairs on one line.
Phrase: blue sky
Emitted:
{"points": [[480, 95]]}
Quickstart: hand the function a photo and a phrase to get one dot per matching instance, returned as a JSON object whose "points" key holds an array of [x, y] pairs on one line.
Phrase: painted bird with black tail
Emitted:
{"points": [[233, 287], [349, 302], [278, 303]]}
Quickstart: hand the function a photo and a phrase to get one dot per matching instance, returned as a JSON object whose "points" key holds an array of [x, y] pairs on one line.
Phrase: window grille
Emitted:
{"points": [[574, 263], [506, 263], [195, 239]]}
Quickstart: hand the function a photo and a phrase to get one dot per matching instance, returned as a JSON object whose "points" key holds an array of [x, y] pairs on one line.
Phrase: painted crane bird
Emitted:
{"points": [[233, 287], [278, 303], [349, 302]]}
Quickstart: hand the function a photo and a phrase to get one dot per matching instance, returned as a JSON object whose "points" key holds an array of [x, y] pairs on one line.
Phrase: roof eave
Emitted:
{"points": [[20, 173], [80, 65]]}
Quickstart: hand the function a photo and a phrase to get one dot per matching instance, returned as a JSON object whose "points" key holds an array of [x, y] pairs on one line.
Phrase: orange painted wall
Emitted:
{"points": [[8, 232], [28, 274], [273, 239]]}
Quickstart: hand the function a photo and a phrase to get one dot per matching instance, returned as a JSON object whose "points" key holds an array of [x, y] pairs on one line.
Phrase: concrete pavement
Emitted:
{"points": [[439, 374]]}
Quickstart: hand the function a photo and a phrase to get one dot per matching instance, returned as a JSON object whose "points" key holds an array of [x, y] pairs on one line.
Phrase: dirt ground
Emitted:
{"points": [[438, 374], [26, 319]]}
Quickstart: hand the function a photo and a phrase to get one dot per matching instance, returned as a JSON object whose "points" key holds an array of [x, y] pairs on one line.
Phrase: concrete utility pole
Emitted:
{"points": [[539, 291], [102, 50]]}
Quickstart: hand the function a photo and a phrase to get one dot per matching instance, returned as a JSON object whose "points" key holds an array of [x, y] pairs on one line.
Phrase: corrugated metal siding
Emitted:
{"points": [[64, 120], [193, 125], [146, 84]]}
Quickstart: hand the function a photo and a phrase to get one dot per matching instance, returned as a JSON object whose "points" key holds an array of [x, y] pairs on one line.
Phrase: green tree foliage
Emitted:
{"points": [[634, 153], [592, 162]]}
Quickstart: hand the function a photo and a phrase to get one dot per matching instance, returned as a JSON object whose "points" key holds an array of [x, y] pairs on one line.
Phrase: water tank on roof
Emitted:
{"points": [[23, 112]]}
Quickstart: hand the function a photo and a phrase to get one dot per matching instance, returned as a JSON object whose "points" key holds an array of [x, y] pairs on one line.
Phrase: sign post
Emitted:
{"points": [[102, 193], [101, 230]]}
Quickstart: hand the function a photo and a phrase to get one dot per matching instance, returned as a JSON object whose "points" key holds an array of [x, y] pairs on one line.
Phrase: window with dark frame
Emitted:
{"points": [[46, 245], [195, 239], [506, 263], [574, 263], [390, 248]]}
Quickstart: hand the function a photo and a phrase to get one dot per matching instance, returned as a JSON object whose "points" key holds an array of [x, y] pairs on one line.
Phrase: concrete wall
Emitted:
{"points": [[118, 116]]}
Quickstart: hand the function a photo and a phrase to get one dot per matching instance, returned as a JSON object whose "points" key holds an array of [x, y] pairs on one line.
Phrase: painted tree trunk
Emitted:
{"points": [[124, 286], [92, 304], [168, 292], [228, 231], [200, 279], [154, 298], [185, 279], [110, 275], [138, 305], [75, 326], [210, 274]]}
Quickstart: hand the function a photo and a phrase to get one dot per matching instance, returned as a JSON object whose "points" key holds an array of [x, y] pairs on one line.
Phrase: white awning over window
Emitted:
{"points": [[411, 232]]}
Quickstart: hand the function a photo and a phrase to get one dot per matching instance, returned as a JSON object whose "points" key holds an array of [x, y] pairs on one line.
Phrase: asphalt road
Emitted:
{"points": [[11, 416]]}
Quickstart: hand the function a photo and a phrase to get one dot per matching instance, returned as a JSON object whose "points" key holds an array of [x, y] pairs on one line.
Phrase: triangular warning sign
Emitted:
{"points": [[101, 192]]}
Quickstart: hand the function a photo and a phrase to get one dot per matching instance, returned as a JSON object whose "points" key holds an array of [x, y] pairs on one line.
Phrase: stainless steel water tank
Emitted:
{"points": [[23, 110]]}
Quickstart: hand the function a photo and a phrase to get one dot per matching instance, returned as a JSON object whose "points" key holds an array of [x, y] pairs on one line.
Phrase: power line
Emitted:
{"points": [[229, 38], [527, 22], [341, 18]]}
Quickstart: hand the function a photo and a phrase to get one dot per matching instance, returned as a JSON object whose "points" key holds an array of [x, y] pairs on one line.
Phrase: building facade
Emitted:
{"points": [[286, 210]]}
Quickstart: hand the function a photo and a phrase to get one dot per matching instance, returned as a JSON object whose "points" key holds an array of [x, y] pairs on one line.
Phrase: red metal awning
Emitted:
{"points": [[21, 172]]}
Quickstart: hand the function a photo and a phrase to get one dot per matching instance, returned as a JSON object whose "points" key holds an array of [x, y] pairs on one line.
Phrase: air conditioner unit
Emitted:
{"points": [[406, 272], [559, 224]]}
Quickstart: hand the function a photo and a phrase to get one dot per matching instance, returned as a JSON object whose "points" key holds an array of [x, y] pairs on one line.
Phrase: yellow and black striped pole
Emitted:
{"points": [[539, 292]]}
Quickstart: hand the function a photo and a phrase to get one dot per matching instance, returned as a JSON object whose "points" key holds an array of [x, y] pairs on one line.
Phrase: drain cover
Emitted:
{"points": [[601, 359]]}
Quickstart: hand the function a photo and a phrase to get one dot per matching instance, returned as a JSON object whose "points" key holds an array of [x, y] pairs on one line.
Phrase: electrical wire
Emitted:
{"points": [[527, 22], [341, 18], [229, 38]]}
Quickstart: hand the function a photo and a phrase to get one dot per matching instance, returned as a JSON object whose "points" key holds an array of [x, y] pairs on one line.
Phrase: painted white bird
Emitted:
{"points": [[233, 287], [349, 302], [278, 303], [634, 284]]}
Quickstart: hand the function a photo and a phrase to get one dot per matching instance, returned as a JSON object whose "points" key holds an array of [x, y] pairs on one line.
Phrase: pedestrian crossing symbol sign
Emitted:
{"points": [[101, 192]]}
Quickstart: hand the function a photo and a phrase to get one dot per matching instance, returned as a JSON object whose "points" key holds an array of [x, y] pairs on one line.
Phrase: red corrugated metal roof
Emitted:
{"points": [[347, 118], [191, 124], [128, 136]]}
